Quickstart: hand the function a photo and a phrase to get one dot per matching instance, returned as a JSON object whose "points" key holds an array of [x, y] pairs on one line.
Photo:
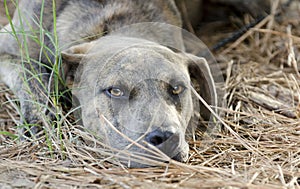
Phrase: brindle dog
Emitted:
{"points": [[138, 86]]}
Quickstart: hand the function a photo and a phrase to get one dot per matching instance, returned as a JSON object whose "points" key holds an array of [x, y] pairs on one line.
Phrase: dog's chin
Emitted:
{"points": [[182, 156]]}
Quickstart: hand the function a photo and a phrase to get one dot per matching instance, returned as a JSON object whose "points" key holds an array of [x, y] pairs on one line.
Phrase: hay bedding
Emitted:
{"points": [[258, 147]]}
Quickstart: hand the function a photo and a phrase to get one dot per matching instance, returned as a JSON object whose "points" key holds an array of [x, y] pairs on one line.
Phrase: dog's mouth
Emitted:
{"points": [[181, 157], [148, 155]]}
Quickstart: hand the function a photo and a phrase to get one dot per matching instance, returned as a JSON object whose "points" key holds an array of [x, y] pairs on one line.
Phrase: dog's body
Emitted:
{"points": [[118, 77]]}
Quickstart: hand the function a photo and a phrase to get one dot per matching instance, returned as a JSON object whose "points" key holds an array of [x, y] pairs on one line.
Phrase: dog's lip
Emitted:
{"points": [[181, 157]]}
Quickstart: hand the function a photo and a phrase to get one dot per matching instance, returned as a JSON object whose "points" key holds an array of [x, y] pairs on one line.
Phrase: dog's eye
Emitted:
{"points": [[178, 89], [114, 92]]}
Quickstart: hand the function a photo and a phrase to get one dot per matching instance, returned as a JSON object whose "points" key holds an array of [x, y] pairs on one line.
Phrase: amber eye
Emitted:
{"points": [[114, 92], [178, 89]]}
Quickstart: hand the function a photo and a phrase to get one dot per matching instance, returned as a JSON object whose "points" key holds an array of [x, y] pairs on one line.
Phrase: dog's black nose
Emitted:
{"points": [[158, 137]]}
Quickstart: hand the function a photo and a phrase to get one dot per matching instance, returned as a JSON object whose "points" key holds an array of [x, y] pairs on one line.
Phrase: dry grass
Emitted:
{"points": [[262, 150]]}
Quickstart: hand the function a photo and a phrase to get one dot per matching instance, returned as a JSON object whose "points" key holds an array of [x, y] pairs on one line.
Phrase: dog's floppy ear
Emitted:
{"points": [[75, 53], [72, 57], [203, 82]]}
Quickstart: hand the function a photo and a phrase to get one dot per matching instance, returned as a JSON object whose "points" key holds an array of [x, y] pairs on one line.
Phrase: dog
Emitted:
{"points": [[125, 83]]}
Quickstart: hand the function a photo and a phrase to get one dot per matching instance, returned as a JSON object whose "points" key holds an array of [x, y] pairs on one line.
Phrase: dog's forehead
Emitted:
{"points": [[131, 60], [141, 58], [142, 63]]}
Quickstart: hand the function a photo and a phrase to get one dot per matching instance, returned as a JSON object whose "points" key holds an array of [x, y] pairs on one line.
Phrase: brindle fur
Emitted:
{"points": [[80, 26]]}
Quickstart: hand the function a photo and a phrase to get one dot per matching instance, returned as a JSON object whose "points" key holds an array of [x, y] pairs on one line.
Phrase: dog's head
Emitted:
{"points": [[137, 94]]}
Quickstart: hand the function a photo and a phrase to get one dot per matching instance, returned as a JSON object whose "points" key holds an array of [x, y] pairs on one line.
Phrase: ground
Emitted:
{"points": [[257, 147]]}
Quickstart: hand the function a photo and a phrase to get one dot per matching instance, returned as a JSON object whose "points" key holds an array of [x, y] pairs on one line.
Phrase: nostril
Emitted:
{"points": [[156, 140], [158, 137]]}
